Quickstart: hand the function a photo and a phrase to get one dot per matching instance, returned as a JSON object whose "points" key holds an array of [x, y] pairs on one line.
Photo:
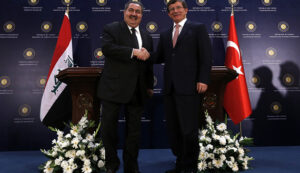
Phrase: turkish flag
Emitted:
{"points": [[236, 98]]}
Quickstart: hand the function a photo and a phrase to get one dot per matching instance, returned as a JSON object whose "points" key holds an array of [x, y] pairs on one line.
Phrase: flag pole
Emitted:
{"points": [[68, 9]]}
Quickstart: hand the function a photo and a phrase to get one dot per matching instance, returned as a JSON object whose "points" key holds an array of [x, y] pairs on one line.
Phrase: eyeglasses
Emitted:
{"points": [[175, 8]]}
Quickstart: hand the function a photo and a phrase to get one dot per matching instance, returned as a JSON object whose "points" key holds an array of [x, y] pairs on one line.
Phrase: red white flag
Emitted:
{"points": [[62, 58], [236, 98]]}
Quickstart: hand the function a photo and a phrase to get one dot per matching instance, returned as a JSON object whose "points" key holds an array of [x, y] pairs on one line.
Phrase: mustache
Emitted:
{"points": [[133, 17]]}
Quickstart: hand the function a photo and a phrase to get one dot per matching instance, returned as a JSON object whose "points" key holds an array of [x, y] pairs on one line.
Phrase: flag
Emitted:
{"points": [[236, 97], [52, 104]]}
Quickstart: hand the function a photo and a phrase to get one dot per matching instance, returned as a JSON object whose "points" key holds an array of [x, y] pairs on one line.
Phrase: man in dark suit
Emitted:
{"points": [[186, 51], [127, 80]]}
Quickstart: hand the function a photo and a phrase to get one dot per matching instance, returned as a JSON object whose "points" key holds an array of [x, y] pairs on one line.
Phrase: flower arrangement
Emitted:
{"points": [[76, 152], [220, 151]]}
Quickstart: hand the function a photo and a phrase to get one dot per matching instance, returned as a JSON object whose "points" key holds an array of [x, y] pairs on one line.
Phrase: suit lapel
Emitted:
{"points": [[170, 37], [127, 34], [183, 31], [144, 39]]}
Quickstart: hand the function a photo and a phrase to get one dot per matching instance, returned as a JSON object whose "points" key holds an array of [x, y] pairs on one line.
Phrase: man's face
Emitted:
{"points": [[133, 15], [176, 12]]}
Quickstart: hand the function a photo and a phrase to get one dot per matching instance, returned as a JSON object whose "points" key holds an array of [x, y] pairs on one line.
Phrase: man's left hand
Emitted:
{"points": [[201, 87]]}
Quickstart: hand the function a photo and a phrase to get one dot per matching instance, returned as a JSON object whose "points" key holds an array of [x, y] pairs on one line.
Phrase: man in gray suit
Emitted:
{"points": [[127, 80]]}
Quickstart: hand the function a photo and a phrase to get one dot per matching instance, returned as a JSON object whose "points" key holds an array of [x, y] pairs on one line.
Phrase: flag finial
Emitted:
{"points": [[68, 9]]}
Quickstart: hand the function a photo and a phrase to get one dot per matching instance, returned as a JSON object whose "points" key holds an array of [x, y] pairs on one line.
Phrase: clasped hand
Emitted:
{"points": [[141, 54]]}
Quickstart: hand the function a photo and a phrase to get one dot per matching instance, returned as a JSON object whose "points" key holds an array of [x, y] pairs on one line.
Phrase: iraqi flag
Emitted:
{"points": [[56, 102], [236, 98]]}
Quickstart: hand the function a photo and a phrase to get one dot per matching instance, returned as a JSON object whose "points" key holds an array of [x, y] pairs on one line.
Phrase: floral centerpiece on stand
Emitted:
{"points": [[77, 151], [220, 151]]}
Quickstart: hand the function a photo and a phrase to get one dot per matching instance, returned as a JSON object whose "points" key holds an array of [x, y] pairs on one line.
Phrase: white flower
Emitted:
{"points": [[64, 164], [68, 169], [102, 151], [75, 142], [74, 131], [202, 155], [54, 153], [237, 144], [48, 170], [71, 154], [58, 160], [232, 159], [87, 162], [100, 164], [245, 165], [203, 132], [229, 163], [222, 140], [228, 138], [91, 145], [95, 158], [241, 151], [216, 137], [209, 147], [208, 139], [209, 120], [235, 167], [221, 127], [222, 150], [64, 144], [90, 137], [210, 165], [59, 133], [202, 166], [202, 138], [211, 156], [68, 135], [218, 163], [86, 169], [80, 153], [223, 157], [48, 163]]}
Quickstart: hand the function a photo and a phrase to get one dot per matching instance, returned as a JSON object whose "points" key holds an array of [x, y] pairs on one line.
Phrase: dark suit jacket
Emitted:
{"points": [[122, 74], [189, 62]]}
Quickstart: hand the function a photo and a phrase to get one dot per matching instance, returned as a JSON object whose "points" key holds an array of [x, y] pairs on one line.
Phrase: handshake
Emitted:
{"points": [[141, 54]]}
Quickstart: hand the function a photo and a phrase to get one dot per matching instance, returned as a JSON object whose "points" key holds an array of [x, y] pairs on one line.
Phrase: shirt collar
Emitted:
{"points": [[137, 29], [181, 23]]}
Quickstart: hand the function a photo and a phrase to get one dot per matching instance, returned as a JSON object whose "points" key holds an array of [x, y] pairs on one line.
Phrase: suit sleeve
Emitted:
{"points": [[110, 44], [157, 56], [204, 55]]}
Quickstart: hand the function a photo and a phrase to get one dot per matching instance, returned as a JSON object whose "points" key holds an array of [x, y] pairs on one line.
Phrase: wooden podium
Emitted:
{"points": [[214, 96], [82, 83]]}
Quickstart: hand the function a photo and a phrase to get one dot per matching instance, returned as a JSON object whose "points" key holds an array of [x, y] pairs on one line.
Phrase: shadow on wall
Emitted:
{"points": [[276, 117], [289, 78]]}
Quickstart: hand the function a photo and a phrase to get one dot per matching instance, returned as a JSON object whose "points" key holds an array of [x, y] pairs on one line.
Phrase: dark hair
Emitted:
{"points": [[134, 2], [184, 4]]}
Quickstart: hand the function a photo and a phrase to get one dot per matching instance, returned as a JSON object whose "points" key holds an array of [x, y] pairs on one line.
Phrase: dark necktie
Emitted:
{"points": [[135, 40]]}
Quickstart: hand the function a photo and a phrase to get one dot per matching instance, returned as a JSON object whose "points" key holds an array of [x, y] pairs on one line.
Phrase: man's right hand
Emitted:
{"points": [[141, 54]]}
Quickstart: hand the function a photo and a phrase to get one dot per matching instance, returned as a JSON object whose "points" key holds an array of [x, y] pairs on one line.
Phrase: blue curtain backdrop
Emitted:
{"points": [[269, 36]]}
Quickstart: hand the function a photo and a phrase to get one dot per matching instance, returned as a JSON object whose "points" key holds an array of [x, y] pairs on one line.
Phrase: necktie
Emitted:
{"points": [[135, 40], [176, 34]]}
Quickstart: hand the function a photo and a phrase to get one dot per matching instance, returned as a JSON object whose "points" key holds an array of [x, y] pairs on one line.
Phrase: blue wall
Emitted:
{"points": [[269, 36]]}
